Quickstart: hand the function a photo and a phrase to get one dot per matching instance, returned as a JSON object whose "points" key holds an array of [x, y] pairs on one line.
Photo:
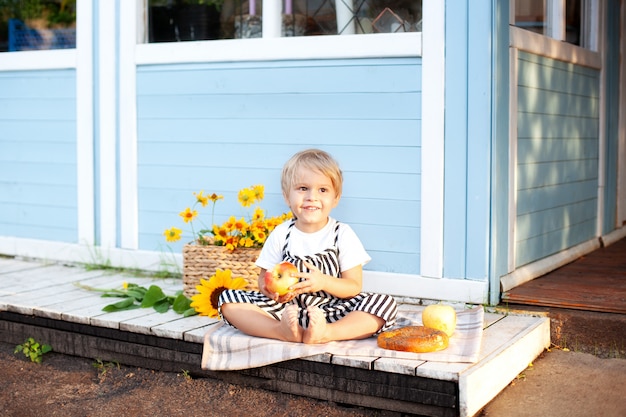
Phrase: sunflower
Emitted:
{"points": [[206, 301]]}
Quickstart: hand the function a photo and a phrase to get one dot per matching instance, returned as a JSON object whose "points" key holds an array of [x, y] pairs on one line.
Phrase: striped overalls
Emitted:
{"points": [[334, 308]]}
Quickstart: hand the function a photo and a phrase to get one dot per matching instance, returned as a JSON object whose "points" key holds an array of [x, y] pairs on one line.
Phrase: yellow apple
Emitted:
{"points": [[279, 279], [441, 317]]}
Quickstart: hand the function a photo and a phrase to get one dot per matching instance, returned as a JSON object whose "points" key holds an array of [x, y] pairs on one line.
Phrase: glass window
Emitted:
{"points": [[573, 22], [185, 20], [531, 15], [37, 24]]}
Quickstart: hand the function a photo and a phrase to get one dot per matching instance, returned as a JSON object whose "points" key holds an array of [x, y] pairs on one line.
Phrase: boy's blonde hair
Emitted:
{"points": [[314, 159]]}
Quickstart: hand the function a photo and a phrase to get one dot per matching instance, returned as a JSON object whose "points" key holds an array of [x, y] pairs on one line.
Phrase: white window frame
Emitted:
{"points": [[555, 22], [272, 47]]}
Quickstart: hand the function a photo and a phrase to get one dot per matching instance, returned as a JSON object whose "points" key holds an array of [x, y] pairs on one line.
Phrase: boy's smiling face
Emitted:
{"points": [[311, 198]]}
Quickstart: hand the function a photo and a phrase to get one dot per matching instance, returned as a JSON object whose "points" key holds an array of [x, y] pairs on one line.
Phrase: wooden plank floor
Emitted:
{"points": [[42, 301], [594, 282]]}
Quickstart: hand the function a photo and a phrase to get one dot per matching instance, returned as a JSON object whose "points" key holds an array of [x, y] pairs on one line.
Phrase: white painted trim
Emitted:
{"points": [[601, 130], [38, 60], [614, 236], [483, 381], [591, 29], [512, 220], [417, 286], [528, 41], [290, 48], [129, 217], [536, 269], [142, 21], [85, 122], [553, 262], [107, 88], [401, 285], [621, 129], [87, 254], [432, 186], [272, 18], [555, 19]]}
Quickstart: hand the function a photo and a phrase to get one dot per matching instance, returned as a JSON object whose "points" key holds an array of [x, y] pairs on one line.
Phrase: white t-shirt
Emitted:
{"points": [[351, 250]]}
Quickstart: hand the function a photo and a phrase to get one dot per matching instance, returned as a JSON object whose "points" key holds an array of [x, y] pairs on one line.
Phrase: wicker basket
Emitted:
{"points": [[201, 261]]}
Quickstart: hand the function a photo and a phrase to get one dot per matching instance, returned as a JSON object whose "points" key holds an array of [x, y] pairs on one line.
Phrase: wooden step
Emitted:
{"points": [[43, 302]]}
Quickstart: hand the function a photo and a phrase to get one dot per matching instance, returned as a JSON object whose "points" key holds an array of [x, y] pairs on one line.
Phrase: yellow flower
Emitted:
{"points": [[259, 235], [214, 197], [229, 225], [246, 197], [245, 232], [125, 285], [201, 199], [259, 192], [258, 214], [172, 235], [206, 301], [188, 215], [241, 225], [220, 232]]}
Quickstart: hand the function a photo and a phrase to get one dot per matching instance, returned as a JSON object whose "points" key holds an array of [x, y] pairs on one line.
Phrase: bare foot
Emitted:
{"points": [[289, 326], [316, 332]]}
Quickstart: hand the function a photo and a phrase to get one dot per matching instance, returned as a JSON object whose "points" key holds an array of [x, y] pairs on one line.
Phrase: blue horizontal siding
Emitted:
{"points": [[537, 247], [312, 77], [532, 125], [553, 219], [38, 191], [557, 156], [249, 107], [543, 174], [223, 127], [556, 76]]}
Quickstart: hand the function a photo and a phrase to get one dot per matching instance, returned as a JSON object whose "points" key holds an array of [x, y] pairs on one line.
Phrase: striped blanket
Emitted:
{"points": [[226, 348]]}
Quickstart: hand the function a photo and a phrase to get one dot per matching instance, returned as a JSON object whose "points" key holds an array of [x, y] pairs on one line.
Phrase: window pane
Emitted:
{"points": [[531, 15], [37, 24], [332, 17], [177, 20], [185, 20], [572, 21]]}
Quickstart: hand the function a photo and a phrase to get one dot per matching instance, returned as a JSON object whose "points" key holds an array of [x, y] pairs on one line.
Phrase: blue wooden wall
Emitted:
{"points": [[557, 156], [38, 196], [222, 127], [468, 124]]}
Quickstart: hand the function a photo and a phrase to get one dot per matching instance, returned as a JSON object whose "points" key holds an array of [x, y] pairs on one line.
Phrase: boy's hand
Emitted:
{"points": [[311, 281], [274, 295]]}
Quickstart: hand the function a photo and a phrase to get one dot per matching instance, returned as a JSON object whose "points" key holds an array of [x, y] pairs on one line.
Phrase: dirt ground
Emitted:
{"points": [[558, 384], [70, 386]]}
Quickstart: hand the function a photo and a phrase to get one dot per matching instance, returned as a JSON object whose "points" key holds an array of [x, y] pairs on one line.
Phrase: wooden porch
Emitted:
{"points": [[594, 282], [42, 301]]}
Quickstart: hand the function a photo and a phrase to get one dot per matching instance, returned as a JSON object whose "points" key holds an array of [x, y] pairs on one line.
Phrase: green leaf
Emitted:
{"points": [[162, 306], [116, 295], [153, 296], [46, 348], [181, 304], [190, 312], [125, 304], [138, 293]]}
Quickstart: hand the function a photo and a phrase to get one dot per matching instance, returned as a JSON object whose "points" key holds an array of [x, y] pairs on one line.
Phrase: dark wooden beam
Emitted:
{"points": [[340, 384]]}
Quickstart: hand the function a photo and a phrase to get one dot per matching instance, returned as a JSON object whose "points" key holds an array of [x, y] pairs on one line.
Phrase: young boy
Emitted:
{"points": [[327, 304]]}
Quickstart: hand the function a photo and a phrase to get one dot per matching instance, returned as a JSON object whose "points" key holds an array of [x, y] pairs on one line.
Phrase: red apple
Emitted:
{"points": [[281, 278]]}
